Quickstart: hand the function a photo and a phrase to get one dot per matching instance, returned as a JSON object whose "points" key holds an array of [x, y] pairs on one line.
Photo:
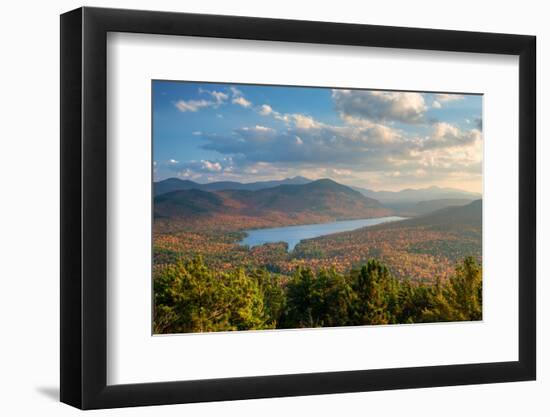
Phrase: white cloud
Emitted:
{"points": [[304, 122], [218, 98], [258, 128], [309, 141], [365, 145], [192, 105], [266, 110], [446, 135], [235, 91], [238, 97], [263, 128], [282, 117], [358, 149], [196, 167], [211, 166], [381, 105], [440, 99], [385, 133], [444, 98], [301, 121], [442, 130], [342, 172], [241, 101]]}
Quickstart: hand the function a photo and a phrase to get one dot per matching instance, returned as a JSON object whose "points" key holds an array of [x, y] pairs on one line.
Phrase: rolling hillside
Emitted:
{"points": [[322, 198], [448, 218], [176, 184], [410, 196], [424, 207], [422, 248]]}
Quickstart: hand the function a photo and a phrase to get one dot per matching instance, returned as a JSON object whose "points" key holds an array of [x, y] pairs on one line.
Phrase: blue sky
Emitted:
{"points": [[374, 139]]}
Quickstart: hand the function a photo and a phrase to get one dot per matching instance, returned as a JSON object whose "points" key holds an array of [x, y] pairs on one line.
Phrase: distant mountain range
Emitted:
{"points": [[176, 184], [321, 199], [420, 208], [325, 198], [408, 196], [389, 198], [448, 218]]}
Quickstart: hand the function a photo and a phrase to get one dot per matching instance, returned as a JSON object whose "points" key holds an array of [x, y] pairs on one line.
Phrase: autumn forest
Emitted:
{"points": [[296, 207]]}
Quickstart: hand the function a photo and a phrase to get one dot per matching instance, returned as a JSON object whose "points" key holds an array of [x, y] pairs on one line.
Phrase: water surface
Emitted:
{"points": [[292, 235]]}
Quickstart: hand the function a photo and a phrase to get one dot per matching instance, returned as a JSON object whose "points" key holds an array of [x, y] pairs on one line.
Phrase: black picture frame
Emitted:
{"points": [[84, 207]]}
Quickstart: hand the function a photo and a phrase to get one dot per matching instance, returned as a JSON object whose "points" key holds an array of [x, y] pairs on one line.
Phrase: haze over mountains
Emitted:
{"points": [[317, 199], [448, 218], [175, 184], [413, 196], [407, 202], [425, 207], [436, 235], [408, 195]]}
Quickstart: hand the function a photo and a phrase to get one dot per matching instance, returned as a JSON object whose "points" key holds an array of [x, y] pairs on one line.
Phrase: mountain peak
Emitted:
{"points": [[320, 200], [325, 181], [173, 180]]}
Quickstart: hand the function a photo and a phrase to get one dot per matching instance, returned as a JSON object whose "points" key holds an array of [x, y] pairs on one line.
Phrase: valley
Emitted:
{"points": [[194, 222], [289, 207]]}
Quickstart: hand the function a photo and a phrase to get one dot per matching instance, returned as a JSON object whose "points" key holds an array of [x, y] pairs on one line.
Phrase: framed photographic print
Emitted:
{"points": [[257, 208]]}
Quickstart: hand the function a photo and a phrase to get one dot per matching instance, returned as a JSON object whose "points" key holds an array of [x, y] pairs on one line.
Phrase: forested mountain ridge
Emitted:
{"points": [[409, 196], [448, 218], [428, 206], [176, 184], [423, 247], [320, 198]]}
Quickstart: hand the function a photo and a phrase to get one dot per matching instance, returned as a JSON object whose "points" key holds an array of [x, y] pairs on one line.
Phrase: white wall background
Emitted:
{"points": [[29, 225]]}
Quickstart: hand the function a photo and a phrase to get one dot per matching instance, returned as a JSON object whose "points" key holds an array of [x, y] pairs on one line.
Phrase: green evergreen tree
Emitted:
{"points": [[190, 297], [332, 299], [461, 298], [194, 299], [376, 294], [299, 293], [273, 296]]}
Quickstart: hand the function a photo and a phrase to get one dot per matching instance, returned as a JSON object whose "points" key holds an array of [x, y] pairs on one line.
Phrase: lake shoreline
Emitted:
{"points": [[292, 235]]}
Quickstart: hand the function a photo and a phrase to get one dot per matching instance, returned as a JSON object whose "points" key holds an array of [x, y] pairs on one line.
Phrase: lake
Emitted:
{"points": [[292, 235]]}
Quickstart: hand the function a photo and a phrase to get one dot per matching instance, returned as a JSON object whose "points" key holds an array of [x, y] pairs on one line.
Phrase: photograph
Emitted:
{"points": [[292, 207], [260, 205]]}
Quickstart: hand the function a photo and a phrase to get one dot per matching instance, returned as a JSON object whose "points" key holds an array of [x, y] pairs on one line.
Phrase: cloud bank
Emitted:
{"points": [[383, 138], [381, 105]]}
